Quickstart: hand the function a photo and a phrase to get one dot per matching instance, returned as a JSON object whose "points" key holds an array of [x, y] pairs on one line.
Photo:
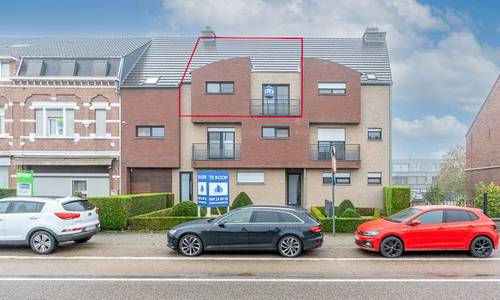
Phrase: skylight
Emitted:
{"points": [[151, 80], [371, 76]]}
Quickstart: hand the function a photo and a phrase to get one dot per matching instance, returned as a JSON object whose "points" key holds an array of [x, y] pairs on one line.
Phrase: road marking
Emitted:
{"points": [[264, 280], [224, 258]]}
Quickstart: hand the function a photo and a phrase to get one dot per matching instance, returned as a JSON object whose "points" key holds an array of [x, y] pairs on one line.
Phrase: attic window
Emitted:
{"points": [[151, 80], [99, 68], [68, 68], [34, 67], [371, 76]]}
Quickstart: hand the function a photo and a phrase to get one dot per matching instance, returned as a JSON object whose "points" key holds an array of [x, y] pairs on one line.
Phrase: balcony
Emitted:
{"points": [[275, 107], [344, 152], [216, 151]]}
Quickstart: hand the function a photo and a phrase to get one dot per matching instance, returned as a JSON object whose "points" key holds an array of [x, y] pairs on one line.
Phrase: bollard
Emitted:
{"points": [[485, 203]]}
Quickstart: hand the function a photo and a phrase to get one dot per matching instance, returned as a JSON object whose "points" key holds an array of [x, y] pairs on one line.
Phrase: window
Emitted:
{"points": [[455, 215], [68, 68], [431, 217], [276, 100], [421, 180], [242, 217], [250, 177], [275, 132], [150, 131], [55, 122], [328, 137], [3, 206], [100, 122], [80, 188], [332, 88], [100, 68], [78, 205], [34, 67], [413, 168], [2, 121], [341, 178], [289, 218], [221, 143], [374, 178], [220, 87], [4, 70], [266, 217], [23, 207], [374, 133]]}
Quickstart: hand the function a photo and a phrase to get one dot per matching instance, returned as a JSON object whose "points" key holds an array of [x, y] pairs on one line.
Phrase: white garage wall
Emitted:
{"points": [[62, 185]]}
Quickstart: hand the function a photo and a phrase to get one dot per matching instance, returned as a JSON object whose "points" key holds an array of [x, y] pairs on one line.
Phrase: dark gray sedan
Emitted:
{"points": [[284, 229]]}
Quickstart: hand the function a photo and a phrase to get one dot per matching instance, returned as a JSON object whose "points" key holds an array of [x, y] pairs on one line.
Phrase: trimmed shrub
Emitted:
{"points": [[396, 198], [350, 213], [114, 211], [493, 191], [4, 193], [184, 209], [241, 200], [159, 213], [341, 224], [157, 223], [345, 204]]}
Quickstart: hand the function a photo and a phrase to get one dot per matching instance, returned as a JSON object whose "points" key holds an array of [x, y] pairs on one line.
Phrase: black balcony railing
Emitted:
{"points": [[275, 107], [216, 151], [343, 151]]}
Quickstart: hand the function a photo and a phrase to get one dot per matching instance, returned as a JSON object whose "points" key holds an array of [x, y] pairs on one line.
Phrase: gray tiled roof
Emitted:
{"points": [[70, 47], [167, 57]]}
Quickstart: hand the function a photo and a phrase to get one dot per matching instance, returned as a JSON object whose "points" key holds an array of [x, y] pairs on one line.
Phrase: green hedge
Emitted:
{"points": [[114, 211], [348, 225], [363, 211], [493, 198], [157, 223], [396, 198], [7, 193]]}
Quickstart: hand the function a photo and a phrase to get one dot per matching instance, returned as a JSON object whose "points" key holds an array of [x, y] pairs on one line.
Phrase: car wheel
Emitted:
{"points": [[84, 240], [391, 247], [290, 246], [43, 242], [481, 247], [190, 245]]}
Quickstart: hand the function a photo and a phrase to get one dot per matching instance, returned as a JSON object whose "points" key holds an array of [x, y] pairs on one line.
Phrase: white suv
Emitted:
{"points": [[43, 222]]}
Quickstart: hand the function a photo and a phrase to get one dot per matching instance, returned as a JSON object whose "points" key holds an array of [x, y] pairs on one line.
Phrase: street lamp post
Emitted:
{"points": [[334, 171]]}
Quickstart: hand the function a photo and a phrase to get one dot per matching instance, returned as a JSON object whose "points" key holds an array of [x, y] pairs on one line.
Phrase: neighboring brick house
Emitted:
{"points": [[60, 112], [347, 103], [483, 143]]}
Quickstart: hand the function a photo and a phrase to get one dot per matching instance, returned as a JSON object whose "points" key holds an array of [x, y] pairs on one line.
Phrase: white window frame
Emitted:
{"points": [[96, 122], [375, 129], [259, 177], [2, 63], [339, 174], [57, 126], [85, 193], [44, 106], [332, 88]]}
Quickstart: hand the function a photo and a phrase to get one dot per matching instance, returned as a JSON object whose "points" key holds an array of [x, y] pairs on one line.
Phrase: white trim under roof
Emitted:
{"points": [[8, 57], [74, 154]]}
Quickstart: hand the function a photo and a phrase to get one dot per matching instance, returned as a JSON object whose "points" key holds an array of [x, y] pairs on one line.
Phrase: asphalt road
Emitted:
{"points": [[131, 266]]}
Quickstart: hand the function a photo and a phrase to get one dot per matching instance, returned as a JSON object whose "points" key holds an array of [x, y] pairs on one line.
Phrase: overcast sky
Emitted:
{"points": [[445, 55]]}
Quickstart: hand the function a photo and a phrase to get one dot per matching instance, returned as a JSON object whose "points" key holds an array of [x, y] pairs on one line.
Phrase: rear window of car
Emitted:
{"points": [[289, 218], [455, 215], [25, 207], [78, 205]]}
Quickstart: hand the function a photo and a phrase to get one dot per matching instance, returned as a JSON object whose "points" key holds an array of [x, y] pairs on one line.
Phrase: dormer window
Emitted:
{"points": [[68, 68], [100, 68], [34, 67]]}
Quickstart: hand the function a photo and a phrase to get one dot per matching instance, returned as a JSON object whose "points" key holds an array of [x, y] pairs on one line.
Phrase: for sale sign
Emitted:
{"points": [[213, 188], [24, 183]]}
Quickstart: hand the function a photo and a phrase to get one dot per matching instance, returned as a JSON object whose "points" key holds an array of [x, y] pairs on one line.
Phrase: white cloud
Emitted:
{"points": [[431, 128]]}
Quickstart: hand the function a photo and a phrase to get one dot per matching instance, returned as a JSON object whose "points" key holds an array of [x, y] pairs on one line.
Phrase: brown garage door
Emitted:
{"points": [[145, 180]]}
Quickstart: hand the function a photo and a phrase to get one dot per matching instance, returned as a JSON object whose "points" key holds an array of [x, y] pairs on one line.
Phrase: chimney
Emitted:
{"points": [[208, 35], [373, 35]]}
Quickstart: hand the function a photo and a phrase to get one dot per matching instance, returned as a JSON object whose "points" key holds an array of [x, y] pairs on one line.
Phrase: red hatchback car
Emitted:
{"points": [[430, 228]]}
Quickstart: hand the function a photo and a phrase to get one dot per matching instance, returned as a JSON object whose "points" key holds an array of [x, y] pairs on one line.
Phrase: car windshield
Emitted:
{"points": [[403, 215]]}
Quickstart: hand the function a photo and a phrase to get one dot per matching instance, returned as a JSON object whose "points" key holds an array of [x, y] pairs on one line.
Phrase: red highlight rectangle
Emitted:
{"points": [[179, 92]]}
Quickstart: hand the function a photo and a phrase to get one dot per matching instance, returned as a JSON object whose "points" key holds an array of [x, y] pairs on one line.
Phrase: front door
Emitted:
{"points": [[293, 189], [186, 186]]}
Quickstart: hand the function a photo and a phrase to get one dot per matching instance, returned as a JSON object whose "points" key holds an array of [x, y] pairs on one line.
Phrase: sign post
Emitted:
{"points": [[334, 171], [213, 189], [24, 183]]}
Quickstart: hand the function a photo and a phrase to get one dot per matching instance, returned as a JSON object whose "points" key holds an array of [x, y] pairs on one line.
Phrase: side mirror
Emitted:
{"points": [[221, 224], [414, 222]]}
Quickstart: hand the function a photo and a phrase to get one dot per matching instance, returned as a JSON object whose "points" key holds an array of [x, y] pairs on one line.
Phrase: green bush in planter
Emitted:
{"points": [[345, 204], [4, 193], [241, 200], [350, 213], [184, 209]]}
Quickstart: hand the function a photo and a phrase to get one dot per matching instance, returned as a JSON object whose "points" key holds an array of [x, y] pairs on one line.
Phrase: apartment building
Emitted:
{"points": [[254, 108], [419, 174], [482, 143], [60, 112]]}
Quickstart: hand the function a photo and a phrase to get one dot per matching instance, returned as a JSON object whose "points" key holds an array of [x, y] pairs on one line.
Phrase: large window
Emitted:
{"points": [[220, 87], [341, 178], [275, 99], [332, 88], [221, 143], [374, 178], [275, 132], [100, 122], [150, 131], [2, 121], [55, 122], [328, 137], [4, 70], [250, 177]]}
